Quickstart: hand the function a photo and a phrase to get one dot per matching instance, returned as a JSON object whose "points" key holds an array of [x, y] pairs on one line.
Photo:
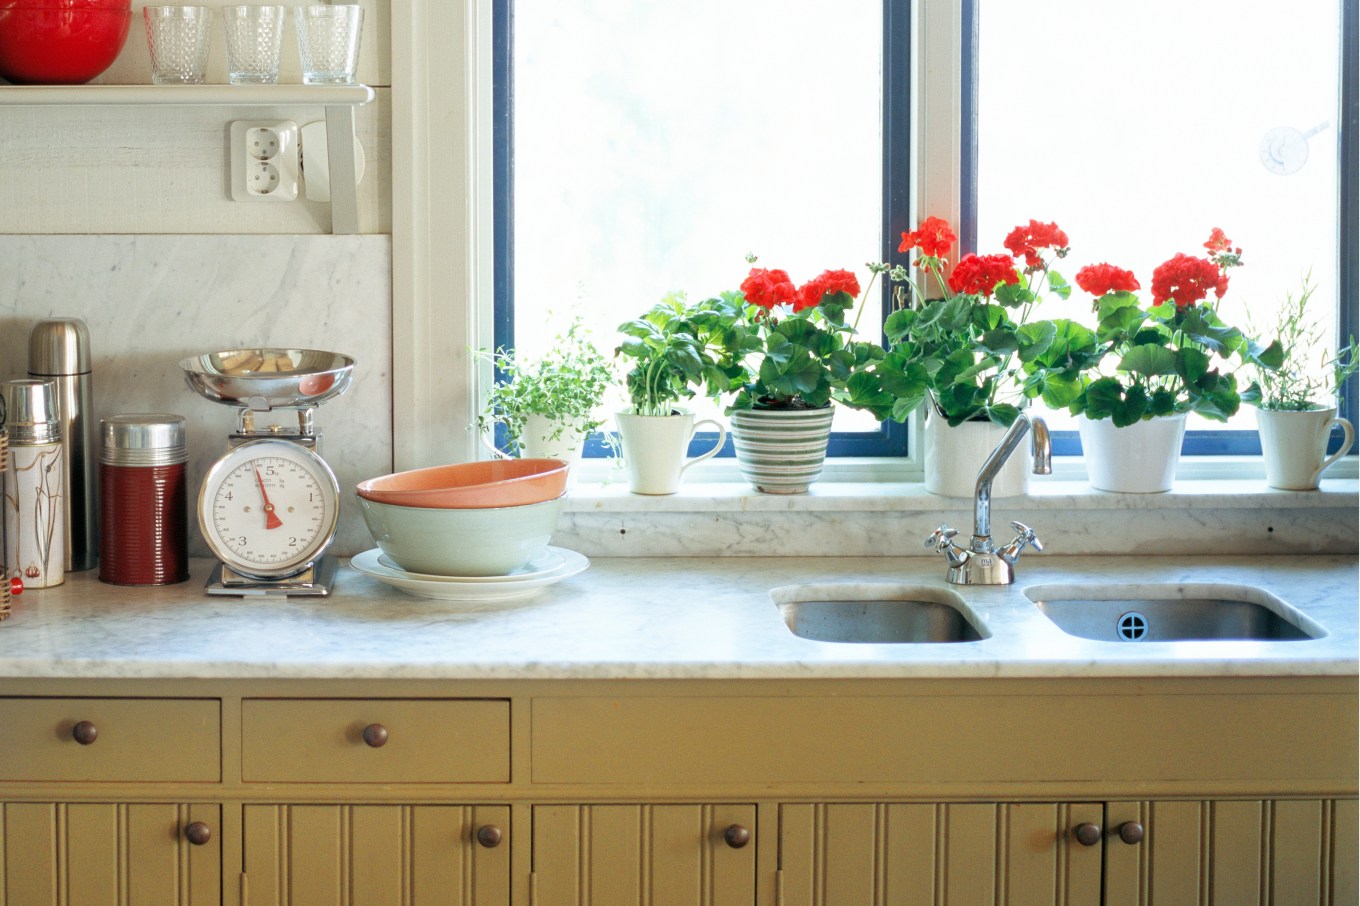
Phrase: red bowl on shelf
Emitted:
{"points": [[60, 44]]}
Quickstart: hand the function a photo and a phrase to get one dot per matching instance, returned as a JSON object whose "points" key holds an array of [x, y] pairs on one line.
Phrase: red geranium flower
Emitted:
{"points": [[1099, 279], [979, 275], [1187, 280], [810, 294], [934, 237], [768, 288], [1218, 242], [1027, 240]]}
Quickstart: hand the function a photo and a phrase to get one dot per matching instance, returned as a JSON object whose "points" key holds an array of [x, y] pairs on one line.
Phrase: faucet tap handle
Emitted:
{"points": [[942, 539], [1026, 538]]}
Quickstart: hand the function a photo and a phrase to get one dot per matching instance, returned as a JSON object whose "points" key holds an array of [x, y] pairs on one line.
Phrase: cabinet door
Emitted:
{"points": [[1233, 852], [665, 855], [92, 854], [965, 853], [376, 855]]}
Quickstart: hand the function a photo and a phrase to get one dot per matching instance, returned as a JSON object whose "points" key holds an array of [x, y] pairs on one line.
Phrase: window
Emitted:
{"points": [[1138, 128], [648, 148]]}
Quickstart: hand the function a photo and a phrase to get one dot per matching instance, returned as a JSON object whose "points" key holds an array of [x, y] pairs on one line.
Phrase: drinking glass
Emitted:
{"points": [[177, 37], [254, 43], [328, 42]]}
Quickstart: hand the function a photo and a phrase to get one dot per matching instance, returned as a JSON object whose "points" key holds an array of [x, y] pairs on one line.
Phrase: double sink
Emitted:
{"points": [[1136, 613]]}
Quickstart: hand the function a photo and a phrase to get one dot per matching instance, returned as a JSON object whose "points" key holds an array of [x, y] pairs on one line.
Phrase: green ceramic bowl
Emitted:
{"points": [[492, 541]]}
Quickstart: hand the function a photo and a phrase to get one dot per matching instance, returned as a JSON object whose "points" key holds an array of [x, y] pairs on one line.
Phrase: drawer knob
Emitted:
{"points": [[489, 835], [84, 732], [197, 833], [1131, 832], [736, 836], [1087, 834], [375, 735]]}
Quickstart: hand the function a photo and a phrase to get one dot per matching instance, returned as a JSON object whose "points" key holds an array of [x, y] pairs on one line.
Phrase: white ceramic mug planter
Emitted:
{"points": [[654, 448], [1294, 444]]}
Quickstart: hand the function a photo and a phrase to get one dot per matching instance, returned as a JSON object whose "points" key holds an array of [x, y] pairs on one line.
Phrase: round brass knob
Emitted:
{"points": [[1087, 834], [489, 835], [375, 735], [84, 732], [197, 833], [1131, 832], [737, 836]]}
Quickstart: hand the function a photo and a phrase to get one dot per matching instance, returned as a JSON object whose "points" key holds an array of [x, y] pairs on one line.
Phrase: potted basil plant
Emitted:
{"points": [[669, 361]]}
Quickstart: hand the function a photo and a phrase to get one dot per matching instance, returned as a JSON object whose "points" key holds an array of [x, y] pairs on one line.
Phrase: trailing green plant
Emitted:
{"points": [[1310, 375], [670, 357], [567, 385]]}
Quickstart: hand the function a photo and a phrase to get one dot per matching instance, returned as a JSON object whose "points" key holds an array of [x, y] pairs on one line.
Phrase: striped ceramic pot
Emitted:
{"points": [[779, 451]]}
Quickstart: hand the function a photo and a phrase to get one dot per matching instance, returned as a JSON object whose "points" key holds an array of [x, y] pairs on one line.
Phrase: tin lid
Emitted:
{"points": [[31, 411], [142, 439], [59, 346]]}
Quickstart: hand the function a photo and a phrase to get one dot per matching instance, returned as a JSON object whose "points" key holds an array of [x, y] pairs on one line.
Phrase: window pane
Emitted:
{"points": [[1139, 127], [656, 145]]}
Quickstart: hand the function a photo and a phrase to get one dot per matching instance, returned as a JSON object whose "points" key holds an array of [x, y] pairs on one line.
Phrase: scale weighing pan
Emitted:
{"points": [[264, 379]]}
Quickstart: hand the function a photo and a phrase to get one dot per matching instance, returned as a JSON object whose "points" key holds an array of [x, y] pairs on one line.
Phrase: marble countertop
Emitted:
{"points": [[654, 618]]}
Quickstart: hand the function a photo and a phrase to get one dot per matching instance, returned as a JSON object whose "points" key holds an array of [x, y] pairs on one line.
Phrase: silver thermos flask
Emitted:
{"points": [[59, 351]]}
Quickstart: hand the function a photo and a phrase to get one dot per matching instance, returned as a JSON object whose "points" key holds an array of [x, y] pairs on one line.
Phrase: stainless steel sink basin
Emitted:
{"points": [[1172, 613], [875, 614]]}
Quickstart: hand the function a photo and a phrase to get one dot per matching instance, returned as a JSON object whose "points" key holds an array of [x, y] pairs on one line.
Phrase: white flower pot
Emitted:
{"points": [[655, 446], [781, 451], [954, 456], [551, 438], [1137, 459], [1294, 445]]}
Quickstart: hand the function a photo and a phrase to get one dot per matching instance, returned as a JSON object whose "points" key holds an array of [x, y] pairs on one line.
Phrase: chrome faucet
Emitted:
{"points": [[981, 563]]}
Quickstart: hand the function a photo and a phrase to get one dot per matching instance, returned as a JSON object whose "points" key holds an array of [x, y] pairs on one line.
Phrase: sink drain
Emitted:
{"points": [[1132, 626]]}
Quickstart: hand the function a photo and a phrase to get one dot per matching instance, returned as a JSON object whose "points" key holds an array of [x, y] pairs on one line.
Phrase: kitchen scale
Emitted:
{"points": [[268, 508]]}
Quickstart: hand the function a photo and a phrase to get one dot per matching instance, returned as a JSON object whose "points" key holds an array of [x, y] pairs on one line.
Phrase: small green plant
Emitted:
{"points": [[1310, 377], [567, 386], [670, 354]]}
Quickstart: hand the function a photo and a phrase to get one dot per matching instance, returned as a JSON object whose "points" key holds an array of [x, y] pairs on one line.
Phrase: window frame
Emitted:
{"points": [[914, 181]]}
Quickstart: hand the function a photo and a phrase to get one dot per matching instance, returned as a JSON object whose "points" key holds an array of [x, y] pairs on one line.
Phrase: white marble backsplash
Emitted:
{"points": [[150, 301]]}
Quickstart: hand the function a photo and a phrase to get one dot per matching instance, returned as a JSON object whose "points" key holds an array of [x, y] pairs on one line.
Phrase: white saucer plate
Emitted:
{"points": [[549, 568]]}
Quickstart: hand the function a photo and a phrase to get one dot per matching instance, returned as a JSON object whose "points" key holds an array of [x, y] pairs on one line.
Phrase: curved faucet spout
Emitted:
{"points": [[982, 495]]}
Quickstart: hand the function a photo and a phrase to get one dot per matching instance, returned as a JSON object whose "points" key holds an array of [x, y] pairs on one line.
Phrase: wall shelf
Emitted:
{"points": [[339, 102]]}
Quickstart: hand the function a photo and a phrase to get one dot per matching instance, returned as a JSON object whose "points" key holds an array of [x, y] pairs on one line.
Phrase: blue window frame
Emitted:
{"points": [[889, 439]]}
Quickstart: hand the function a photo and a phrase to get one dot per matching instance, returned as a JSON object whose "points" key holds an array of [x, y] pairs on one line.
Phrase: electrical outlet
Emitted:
{"points": [[264, 160]]}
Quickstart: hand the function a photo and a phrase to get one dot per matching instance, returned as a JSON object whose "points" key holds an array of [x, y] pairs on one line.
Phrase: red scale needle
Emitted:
{"points": [[271, 519]]}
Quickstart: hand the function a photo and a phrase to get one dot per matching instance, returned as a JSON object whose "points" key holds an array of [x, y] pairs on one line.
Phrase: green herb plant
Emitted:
{"points": [[1310, 376], [669, 354]]}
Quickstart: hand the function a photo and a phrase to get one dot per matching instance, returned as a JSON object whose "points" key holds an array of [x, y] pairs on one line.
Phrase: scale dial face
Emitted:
{"points": [[269, 508]]}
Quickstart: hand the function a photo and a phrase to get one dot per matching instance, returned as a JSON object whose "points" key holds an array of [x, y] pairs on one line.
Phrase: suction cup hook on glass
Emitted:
{"points": [[1284, 149]]}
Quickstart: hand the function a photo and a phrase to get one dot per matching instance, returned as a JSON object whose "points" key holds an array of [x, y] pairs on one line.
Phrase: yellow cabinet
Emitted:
{"points": [[373, 855], [664, 855], [969, 854], [93, 853]]}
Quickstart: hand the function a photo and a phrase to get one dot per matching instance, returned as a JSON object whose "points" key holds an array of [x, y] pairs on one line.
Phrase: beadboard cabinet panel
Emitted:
{"points": [[662, 855], [403, 855], [93, 854]]}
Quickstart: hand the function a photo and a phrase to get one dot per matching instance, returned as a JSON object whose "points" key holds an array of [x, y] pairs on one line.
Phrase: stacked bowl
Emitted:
{"points": [[467, 519], [60, 42]]}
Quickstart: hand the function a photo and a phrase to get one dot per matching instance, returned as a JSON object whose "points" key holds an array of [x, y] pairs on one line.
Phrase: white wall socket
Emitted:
{"points": [[264, 160]]}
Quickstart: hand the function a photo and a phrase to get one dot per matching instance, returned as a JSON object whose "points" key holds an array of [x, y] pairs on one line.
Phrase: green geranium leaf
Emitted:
{"points": [[1059, 286], [1148, 361], [898, 325]]}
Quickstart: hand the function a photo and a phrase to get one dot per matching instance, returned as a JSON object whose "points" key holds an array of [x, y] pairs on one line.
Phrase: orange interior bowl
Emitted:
{"points": [[471, 485]]}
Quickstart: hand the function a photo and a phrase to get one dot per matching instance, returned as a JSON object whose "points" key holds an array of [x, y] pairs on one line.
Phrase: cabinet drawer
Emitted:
{"points": [[375, 741], [170, 740]]}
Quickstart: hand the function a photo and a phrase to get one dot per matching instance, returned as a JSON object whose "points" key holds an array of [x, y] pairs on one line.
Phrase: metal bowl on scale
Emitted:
{"points": [[264, 379]]}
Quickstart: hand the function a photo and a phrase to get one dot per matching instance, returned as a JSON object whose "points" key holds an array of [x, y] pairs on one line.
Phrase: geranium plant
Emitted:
{"points": [[961, 334], [786, 347], [671, 359], [1310, 375], [1164, 359]]}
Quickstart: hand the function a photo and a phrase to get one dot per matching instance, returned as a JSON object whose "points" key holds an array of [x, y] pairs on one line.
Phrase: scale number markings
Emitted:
{"points": [[269, 509]]}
